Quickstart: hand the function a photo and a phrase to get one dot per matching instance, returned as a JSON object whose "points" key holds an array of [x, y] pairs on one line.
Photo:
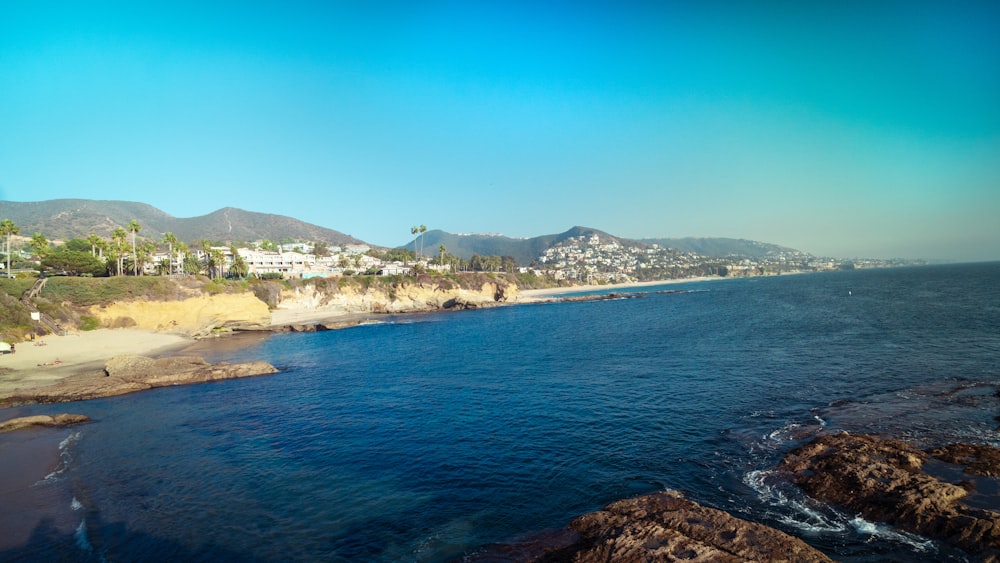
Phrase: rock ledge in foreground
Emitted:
{"points": [[127, 374], [42, 420], [885, 480], [667, 527]]}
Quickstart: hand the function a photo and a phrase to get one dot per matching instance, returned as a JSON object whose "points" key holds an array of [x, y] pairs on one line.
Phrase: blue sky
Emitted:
{"points": [[853, 128]]}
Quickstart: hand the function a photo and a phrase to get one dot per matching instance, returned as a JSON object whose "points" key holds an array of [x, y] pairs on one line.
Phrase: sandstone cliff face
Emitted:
{"points": [[407, 297], [195, 315]]}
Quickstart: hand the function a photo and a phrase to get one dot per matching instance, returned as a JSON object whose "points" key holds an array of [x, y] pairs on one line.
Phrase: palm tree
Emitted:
{"points": [[146, 249], [134, 228], [170, 240], [39, 245], [423, 229], [441, 249], [95, 242], [413, 231], [239, 267], [118, 237], [218, 261], [8, 229]]}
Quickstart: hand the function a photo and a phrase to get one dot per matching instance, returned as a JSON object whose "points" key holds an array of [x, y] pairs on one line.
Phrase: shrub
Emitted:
{"points": [[89, 323]]}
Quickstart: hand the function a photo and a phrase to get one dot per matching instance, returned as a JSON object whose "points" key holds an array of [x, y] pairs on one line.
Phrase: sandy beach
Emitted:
{"points": [[51, 358]]}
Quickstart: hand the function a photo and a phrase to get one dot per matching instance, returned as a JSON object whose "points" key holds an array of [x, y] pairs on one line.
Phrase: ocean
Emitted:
{"points": [[436, 437]]}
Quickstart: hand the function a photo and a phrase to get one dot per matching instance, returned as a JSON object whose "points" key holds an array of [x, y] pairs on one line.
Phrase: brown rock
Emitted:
{"points": [[127, 374], [667, 527], [42, 420], [978, 459], [884, 481]]}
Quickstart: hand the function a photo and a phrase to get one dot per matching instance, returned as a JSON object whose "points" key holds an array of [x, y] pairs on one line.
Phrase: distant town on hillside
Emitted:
{"points": [[88, 237]]}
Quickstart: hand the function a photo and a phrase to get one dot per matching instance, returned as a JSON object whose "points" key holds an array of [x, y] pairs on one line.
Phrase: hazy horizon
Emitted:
{"points": [[852, 130]]}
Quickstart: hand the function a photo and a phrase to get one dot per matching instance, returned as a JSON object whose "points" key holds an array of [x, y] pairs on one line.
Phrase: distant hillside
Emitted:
{"points": [[724, 247], [524, 251], [69, 218]]}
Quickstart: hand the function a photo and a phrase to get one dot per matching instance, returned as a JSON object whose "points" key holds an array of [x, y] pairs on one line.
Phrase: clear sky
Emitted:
{"points": [[849, 128]]}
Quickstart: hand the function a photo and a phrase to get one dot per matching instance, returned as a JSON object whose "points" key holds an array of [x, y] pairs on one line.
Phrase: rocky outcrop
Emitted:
{"points": [[667, 527], [196, 316], [42, 420], [885, 480], [403, 297], [978, 459], [127, 374]]}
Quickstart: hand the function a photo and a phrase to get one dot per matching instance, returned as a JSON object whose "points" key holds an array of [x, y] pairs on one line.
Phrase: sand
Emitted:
{"points": [[52, 358]]}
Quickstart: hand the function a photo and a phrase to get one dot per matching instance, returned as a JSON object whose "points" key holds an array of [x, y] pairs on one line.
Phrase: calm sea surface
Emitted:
{"points": [[428, 438]]}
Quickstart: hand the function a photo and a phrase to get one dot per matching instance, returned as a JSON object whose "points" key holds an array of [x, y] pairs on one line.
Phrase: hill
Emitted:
{"points": [[69, 218], [523, 250], [725, 247], [526, 250]]}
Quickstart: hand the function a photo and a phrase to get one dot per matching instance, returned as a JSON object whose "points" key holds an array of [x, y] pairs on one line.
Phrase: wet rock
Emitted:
{"points": [[884, 481], [667, 527], [42, 420], [978, 459]]}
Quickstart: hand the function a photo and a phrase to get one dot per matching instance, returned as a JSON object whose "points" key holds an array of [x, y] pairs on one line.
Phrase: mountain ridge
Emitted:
{"points": [[78, 218]]}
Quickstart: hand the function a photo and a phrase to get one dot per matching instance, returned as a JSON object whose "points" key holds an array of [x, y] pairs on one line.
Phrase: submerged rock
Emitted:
{"points": [[884, 480], [665, 527]]}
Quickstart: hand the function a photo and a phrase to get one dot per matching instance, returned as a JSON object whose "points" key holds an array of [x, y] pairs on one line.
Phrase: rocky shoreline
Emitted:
{"points": [[881, 479], [889, 481], [660, 527]]}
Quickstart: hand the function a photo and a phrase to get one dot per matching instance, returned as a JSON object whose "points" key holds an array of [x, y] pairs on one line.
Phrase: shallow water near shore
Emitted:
{"points": [[431, 437]]}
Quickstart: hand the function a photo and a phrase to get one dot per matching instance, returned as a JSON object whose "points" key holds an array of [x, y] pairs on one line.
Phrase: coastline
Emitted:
{"points": [[534, 295], [52, 358]]}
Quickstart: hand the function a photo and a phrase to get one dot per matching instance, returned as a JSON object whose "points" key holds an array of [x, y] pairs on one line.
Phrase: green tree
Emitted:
{"points": [[8, 229], [321, 249], [190, 263], [39, 245], [413, 231], [77, 244], [134, 228], [146, 250], [117, 249], [239, 268], [170, 240], [96, 242], [73, 262]]}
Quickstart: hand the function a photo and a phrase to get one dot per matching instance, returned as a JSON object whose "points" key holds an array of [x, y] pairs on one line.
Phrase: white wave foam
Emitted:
{"points": [[813, 517], [793, 512], [80, 535], [76, 505], [882, 531], [65, 456]]}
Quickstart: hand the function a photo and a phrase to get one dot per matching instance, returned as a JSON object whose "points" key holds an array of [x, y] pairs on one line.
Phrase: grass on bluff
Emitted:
{"points": [[87, 292]]}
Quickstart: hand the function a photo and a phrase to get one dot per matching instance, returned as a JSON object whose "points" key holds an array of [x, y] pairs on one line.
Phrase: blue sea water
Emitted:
{"points": [[434, 437]]}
